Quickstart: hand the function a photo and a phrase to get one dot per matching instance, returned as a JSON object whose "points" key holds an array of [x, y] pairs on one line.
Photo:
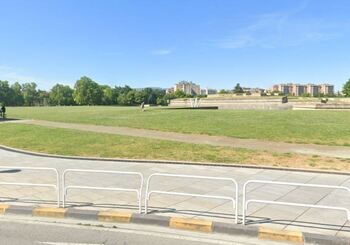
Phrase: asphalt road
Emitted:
{"points": [[34, 232]]}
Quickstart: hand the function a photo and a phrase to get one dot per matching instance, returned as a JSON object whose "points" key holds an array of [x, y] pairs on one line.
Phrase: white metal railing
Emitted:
{"points": [[194, 103], [247, 202], [66, 188], [233, 200], [55, 186]]}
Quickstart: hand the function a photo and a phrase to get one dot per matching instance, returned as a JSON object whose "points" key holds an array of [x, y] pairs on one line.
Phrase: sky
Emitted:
{"points": [[156, 43]]}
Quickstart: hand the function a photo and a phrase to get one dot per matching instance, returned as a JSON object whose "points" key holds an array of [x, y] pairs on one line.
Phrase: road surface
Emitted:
{"points": [[34, 232]]}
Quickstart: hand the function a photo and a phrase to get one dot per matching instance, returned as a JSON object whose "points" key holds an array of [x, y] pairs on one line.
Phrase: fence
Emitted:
{"points": [[66, 188], [148, 193], [247, 202], [55, 186], [233, 200]]}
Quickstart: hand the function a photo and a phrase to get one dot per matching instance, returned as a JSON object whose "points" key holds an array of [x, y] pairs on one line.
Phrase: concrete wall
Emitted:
{"points": [[264, 104], [235, 104]]}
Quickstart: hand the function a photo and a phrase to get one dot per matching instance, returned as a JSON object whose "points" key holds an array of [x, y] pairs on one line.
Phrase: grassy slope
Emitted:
{"points": [[70, 142], [319, 127]]}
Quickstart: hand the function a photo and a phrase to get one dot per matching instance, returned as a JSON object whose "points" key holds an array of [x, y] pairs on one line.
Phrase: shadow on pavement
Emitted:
{"points": [[100, 205], [11, 200], [305, 224], [10, 171]]}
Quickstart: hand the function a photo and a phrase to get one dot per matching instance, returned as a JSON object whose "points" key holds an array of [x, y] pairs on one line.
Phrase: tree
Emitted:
{"points": [[151, 95], [87, 92], [238, 89], [119, 91], [127, 98], [30, 94], [108, 95], [179, 94], [169, 96], [147, 95], [4, 92], [139, 97], [346, 89], [223, 91], [16, 95], [43, 98], [162, 101], [61, 95]]}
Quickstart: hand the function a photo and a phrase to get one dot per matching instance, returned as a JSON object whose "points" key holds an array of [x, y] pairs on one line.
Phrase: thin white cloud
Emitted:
{"points": [[10, 74], [13, 75], [161, 52], [282, 29]]}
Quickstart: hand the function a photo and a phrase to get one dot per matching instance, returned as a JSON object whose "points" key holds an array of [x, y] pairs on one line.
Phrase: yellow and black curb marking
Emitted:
{"points": [[107, 216], [191, 224], [49, 212], [198, 225], [281, 235], [3, 208]]}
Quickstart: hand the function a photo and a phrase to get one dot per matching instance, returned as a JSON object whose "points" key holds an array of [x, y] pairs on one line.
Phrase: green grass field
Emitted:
{"points": [[78, 143], [319, 127]]}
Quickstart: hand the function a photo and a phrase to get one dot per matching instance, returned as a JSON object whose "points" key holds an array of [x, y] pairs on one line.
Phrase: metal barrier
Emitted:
{"points": [[233, 200], [56, 187], [66, 188], [247, 202]]}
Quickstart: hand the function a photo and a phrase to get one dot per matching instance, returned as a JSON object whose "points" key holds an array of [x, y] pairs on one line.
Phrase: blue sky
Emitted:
{"points": [[215, 43]]}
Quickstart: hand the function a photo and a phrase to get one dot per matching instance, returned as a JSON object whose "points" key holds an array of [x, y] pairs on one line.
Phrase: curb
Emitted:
{"points": [[234, 165], [197, 225], [281, 235]]}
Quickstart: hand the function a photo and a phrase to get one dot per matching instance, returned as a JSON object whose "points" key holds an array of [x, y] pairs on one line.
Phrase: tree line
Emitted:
{"points": [[346, 89], [85, 92]]}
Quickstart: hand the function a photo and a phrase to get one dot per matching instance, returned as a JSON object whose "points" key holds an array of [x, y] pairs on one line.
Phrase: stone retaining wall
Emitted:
{"points": [[261, 104]]}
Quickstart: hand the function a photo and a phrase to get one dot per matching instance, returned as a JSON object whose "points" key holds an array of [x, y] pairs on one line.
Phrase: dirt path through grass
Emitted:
{"points": [[254, 144]]}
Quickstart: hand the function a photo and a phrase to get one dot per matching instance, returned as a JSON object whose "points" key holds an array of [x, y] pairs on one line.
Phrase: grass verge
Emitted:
{"points": [[318, 127], [77, 143]]}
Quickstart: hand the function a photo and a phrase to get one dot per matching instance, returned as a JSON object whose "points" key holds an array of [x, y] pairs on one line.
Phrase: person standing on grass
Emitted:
{"points": [[3, 110], [143, 106]]}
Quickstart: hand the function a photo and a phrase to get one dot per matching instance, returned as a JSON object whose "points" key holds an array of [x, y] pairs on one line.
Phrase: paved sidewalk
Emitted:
{"points": [[292, 218], [254, 144]]}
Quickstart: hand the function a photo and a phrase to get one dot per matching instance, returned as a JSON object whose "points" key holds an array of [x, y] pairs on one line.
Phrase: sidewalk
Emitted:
{"points": [[291, 218]]}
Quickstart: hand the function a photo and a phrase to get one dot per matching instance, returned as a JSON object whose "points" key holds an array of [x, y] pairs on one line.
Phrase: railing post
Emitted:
{"points": [[243, 202]]}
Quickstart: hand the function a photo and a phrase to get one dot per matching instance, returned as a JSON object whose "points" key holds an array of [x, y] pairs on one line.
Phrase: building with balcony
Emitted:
{"points": [[188, 88], [301, 89], [327, 89], [313, 89]]}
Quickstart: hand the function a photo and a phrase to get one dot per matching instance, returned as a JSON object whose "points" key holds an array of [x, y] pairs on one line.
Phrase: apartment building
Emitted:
{"points": [[188, 88], [208, 91], [300, 89], [326, 89], [285, 88], [313, 89], [170, 90]]}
